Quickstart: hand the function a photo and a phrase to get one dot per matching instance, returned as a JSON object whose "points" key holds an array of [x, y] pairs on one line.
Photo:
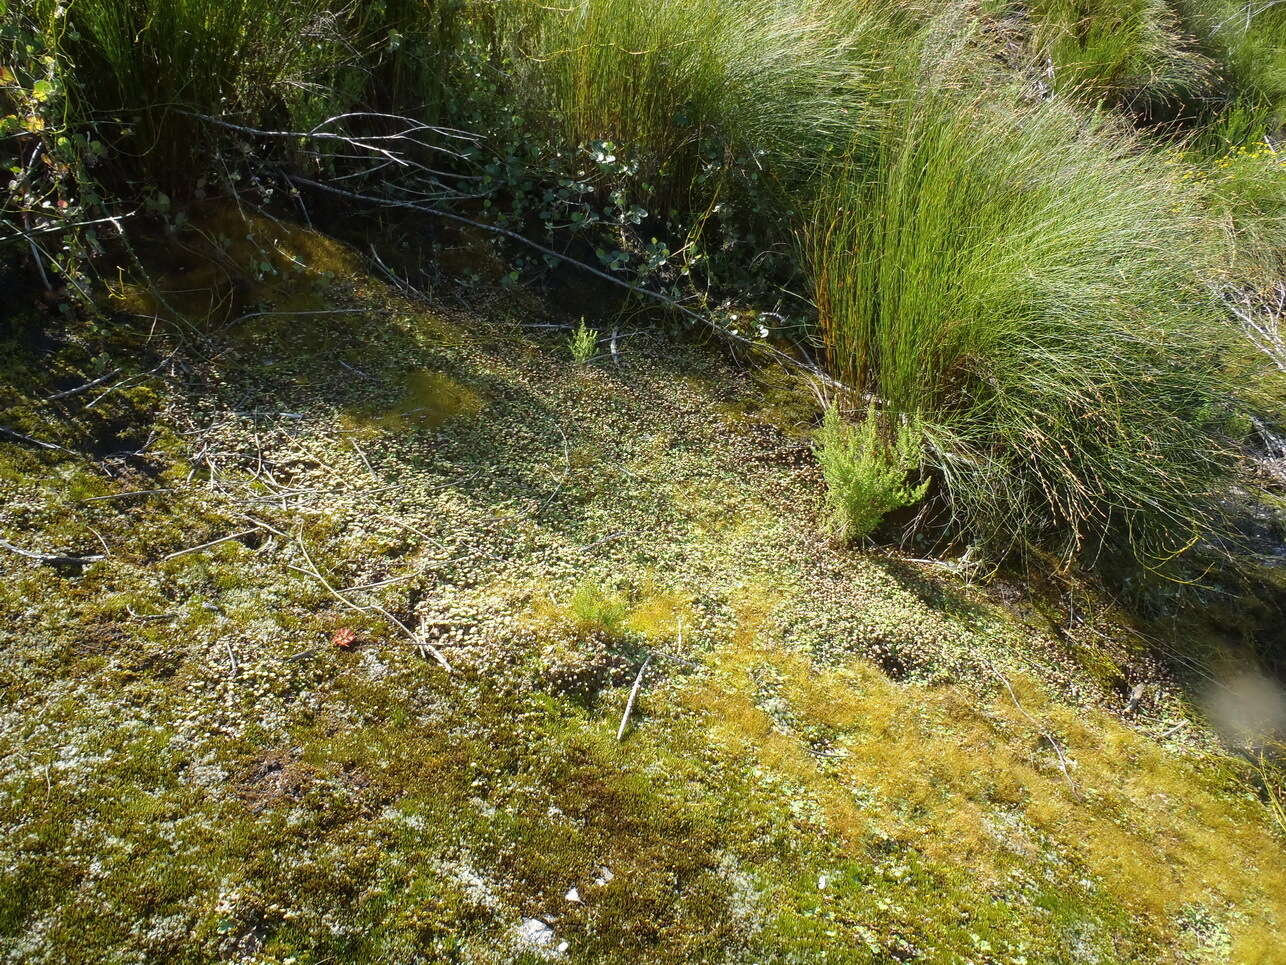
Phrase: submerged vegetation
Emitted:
{"points": [[300, 301]]}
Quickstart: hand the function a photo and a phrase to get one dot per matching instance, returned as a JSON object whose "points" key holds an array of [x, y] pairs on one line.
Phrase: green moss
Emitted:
{"points": [[773, 395], [1100, 667], [429, 400], [594, 610], [661, 615]]}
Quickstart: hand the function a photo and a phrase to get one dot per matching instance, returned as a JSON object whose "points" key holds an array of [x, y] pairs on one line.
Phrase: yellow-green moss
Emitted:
{"points": [[429, 399], [975, 785]]}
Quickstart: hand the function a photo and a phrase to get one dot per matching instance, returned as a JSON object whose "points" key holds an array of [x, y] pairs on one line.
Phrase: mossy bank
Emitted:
{"points": [[248, 751]]}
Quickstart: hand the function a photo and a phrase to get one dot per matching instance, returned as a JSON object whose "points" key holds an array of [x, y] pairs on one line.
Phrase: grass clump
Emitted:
{"points": [[1037, 295], [1134, 53], [149, 62], [1216, 66], [866, 474], [134, 73], [1247, 43], [690, 96]]}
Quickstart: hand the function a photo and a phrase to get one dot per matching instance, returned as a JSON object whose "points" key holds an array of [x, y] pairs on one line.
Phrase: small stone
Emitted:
{"points": [[572, 895], [535, 932], [604, 875]]}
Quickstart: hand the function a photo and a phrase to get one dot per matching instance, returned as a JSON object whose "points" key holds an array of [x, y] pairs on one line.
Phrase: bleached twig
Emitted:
{"points": [[68, 393], [133, 492], [52, 557], [1251, 12], [29, 234], [1262, 322], [567, 471], [205, 546], [629, 704], [384, 149], [22, 437], [420, 642], [1058, 748]]}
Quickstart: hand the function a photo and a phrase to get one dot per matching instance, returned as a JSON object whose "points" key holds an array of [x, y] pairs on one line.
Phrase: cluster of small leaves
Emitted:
{"points": [[608, 204], [51, 209], [598, 200], [588, 194], [583, 343]]}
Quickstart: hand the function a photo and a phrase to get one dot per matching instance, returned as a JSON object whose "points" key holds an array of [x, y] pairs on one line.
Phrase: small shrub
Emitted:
{"points": [[866, 475], [583, 342], [597, 612]]}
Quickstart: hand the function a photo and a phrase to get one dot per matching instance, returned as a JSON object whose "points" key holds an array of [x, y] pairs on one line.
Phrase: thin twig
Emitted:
{"points": [[131, 378], [423, 645], [606, 539], [567, 471], [354, 369], [380, 584], [107, 550], [82, 388], [366, 462], [52, 557], [21, 437], [262, 525], [135, 492], [28, 234], [402, 284], [150, 617], [206, 546], [634, 692], [1058, 748]]}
